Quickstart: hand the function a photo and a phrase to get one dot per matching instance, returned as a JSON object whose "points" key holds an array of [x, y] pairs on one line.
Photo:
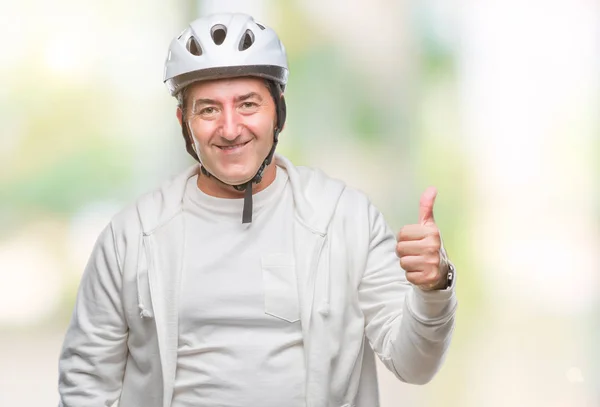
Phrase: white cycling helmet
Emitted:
{"points": [[224, 46]]}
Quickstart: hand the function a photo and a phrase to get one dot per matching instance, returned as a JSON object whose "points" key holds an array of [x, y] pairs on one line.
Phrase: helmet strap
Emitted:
{"points": [[247, 186]]}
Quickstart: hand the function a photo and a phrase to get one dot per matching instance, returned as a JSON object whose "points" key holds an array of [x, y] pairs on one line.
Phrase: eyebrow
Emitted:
{"points": [[204, 101], [248, 96]]}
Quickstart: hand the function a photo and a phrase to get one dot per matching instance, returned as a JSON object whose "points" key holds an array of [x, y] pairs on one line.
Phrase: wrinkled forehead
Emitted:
{"points": [[225, 90]]}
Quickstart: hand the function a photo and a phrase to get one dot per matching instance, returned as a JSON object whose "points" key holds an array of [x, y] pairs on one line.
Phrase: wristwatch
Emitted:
{"points": [[449, 277], [450, 272]]}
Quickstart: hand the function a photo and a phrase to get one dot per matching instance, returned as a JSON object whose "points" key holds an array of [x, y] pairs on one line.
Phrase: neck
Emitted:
{"points": [[213, 187]]}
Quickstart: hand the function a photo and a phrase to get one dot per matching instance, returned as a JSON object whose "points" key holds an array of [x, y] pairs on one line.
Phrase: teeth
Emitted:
{"points": [[232, 147]]}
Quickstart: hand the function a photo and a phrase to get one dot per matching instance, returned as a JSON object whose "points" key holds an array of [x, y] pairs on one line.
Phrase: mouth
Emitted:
{"points": [[234, 147]]}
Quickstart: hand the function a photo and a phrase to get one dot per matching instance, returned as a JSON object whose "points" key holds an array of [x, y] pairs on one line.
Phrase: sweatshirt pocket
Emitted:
{"points": [[280, 286]]}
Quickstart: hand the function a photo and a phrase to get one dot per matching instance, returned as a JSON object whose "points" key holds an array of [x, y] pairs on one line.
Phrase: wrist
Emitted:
{"points": [[446, 280]]}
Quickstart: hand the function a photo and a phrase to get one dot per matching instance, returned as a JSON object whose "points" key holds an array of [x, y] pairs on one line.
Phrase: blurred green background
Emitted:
{"points": [[494, 103]]}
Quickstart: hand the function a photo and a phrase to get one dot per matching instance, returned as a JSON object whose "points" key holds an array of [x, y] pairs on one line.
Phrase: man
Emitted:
{"points": [[247, 281]]}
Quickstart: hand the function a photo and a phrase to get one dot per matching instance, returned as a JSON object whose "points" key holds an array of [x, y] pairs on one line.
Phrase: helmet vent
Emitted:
{"points": [[218, 33], [247, 40], [193, 47], [262, 27]]}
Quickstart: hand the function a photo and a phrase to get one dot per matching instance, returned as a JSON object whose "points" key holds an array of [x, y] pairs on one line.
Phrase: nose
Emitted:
{"points": [[231, 126]]}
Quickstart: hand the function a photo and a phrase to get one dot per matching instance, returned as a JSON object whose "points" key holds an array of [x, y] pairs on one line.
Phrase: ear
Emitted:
{"points": [[180, 115]]}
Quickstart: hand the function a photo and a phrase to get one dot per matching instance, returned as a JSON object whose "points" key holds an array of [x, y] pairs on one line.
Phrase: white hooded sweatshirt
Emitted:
{"points": [[354, 301]]}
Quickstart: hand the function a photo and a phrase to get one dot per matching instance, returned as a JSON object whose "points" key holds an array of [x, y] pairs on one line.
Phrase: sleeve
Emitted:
{"points": [[94, 352], [408, 328]]}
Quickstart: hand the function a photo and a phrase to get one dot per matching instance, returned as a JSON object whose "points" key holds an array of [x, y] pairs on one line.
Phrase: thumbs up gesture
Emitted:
{"points": [[419, 248]]}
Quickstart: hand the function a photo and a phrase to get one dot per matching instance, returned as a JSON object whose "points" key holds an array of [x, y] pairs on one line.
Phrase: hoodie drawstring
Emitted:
{"points": [[325, 307], [144, 312]]}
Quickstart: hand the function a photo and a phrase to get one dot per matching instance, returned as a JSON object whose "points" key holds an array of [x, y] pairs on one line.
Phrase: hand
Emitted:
{"points": [[419, 247]]}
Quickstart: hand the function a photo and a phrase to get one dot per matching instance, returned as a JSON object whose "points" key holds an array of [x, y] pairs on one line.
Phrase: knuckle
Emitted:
{"points": [[400, 246], [401, 233], [434, 275], [434, 232], [433, 260], [434, 240], [431, 250]]}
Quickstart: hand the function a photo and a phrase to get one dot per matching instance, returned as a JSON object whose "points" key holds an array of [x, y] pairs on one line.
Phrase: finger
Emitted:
{"points": [[422, 278], [426, 206], [411, 263], [416, 232], [426, 246]]}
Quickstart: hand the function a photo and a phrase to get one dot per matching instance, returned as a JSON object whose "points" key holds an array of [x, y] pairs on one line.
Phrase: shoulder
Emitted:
{"points": [[354, 203], [320, 186], [358, 212]]}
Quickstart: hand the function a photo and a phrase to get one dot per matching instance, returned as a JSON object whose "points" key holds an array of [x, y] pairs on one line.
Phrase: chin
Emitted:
{"points": [[234, 173], [236, 177], [237, 181]]}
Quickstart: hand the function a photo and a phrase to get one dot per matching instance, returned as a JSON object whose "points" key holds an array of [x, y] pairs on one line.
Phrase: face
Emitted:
{"points": [[231, 122]]}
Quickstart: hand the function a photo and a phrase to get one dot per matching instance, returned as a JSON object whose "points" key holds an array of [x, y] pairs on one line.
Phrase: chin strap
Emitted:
{"points": [[247, 212], [247, 187]]}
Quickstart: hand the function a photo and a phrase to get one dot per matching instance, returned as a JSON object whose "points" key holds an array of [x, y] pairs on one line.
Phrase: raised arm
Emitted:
{"points": [[408, 327]]}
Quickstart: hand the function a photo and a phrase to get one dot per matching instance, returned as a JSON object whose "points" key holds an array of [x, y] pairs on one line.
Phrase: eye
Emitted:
{"points": [[208, 111], [249, 105]]}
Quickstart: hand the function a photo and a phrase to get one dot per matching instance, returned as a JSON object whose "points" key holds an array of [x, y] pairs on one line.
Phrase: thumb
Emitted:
{"points": [[426, 205]]}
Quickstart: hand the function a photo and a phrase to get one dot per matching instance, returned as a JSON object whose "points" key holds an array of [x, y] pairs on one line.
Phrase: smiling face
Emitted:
{"points": [[232, 122]]}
